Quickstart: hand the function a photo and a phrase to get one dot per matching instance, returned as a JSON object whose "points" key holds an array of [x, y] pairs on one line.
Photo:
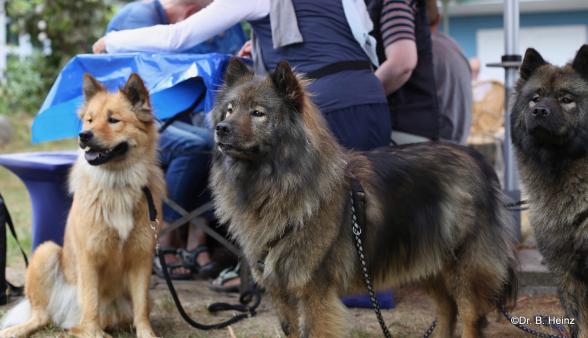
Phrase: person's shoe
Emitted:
{"points": [[190, 261], [227, 276], [172, 267]]}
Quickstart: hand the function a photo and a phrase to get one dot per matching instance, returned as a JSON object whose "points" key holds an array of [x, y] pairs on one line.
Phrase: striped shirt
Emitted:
{"points": [[397, 21]]}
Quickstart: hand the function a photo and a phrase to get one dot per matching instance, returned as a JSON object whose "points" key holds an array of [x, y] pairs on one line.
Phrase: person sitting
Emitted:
{"points": [[184, 148], [453, 81], [406, 69]]}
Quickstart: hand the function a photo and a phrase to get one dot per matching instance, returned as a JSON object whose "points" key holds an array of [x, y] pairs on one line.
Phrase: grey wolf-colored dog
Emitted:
{"points": [[434, 212], [550, 133]]}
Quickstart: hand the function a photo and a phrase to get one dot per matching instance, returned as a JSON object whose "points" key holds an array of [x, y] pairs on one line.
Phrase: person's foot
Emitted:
{"points": [[203, 257], [227, 281], [199, 261], [175, 267], [173, 260]]}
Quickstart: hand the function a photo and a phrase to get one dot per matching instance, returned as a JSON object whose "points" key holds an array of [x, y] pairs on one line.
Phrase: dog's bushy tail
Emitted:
{"points": [[46, 275], [17, 315]]}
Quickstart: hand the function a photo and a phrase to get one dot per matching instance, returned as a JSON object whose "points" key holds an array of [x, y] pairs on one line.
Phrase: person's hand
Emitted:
{"points": [[99, 46], [245, 51]]}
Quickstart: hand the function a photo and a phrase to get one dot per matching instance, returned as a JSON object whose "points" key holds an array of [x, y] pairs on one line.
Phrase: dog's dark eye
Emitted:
{"points": [[229, 109], [113, 120], [566, 100], [536, 98], [257, 113], [89, 120]]}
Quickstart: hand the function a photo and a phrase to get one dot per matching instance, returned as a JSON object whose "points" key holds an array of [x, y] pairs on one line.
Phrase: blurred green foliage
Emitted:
{"points": [[66, 27], [70, 27]]}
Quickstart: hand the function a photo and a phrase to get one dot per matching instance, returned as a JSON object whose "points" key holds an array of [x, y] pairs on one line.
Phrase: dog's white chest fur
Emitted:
{"points": [[112, 196]]}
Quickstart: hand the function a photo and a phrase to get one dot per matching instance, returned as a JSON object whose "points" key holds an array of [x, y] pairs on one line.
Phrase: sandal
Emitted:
{"points": [[225, 276], [171, 267], [189, 259]]}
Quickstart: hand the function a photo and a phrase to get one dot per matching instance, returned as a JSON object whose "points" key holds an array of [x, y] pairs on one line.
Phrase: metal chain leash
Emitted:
{"points": [[366, 277], [430, 330], [155, 227]]}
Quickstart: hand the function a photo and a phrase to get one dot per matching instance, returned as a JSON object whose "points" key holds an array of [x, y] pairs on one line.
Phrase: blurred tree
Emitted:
{"points": [[63, 28], [59, 29]]}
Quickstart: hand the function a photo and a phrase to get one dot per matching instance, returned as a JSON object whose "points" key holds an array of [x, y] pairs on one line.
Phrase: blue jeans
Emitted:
{"points": [[185, 153]]}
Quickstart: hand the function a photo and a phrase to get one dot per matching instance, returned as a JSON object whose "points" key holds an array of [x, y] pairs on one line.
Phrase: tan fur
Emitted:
{"points": [[109, 244]]}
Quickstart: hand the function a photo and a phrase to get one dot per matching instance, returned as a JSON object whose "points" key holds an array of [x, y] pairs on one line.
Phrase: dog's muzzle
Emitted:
{"points": [[96, 154]]}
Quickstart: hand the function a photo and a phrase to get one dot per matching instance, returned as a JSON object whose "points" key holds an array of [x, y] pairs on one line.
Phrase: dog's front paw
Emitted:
{"points": [[146, 333], [11, 333], [88, 332]]}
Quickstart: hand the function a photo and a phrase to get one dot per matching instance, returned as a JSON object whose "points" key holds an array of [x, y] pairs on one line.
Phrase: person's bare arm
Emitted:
{"points": [[178, 37], [401, 60]]}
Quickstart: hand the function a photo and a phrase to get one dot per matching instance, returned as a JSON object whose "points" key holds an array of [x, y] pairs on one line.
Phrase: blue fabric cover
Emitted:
{"points": [[174, 81]]}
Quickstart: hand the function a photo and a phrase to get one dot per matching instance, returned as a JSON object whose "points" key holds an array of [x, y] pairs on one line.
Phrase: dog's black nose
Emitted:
{"points": [[223, 129], [540, 112], [86, 136]]}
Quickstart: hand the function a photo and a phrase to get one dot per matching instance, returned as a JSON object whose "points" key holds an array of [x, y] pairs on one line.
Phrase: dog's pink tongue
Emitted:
{"points": [[91, 155]]}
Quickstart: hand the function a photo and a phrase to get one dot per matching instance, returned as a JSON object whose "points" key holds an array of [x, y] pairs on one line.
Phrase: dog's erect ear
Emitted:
{"points": [[138, 96], [236, 71], [288, 84], [531, 62], [580, 63], [91, 86]]}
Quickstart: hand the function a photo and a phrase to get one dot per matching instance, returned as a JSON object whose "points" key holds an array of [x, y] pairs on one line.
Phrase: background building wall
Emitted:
{"points": [[556, 35]]}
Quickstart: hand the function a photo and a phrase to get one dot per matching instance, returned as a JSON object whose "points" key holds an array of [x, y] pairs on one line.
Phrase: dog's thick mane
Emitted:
{"points": [[254, 191], [111, 193], [135, 176]]}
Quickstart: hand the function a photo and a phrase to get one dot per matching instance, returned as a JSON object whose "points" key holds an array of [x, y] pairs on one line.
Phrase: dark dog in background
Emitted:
{"points": [[550, 133], [435, 212]]}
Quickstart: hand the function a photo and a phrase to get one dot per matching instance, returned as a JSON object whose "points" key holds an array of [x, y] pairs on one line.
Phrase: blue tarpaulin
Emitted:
{"points": [[174, 82]]}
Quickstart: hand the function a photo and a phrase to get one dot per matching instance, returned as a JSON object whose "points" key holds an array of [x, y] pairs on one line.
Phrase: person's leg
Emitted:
{"points": [[189, 187], [196, 238], [184, 154]]}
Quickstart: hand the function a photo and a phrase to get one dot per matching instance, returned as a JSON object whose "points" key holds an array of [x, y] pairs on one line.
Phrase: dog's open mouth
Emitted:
{"points": [[97, 156]]}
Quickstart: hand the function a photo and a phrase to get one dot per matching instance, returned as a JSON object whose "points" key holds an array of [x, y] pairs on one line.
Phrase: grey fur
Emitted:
{"points": [[552, 153], [435, 213]]}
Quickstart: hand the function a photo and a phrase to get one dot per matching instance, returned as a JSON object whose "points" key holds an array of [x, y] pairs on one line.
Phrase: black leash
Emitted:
{"points": [[245, 300], [8, 220], [358, 223], [5, 285]]}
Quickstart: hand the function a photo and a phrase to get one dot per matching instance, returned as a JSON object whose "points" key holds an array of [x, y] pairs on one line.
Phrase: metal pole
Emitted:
{"points": [[511, 48], [3, 47], [445, 17], [510, 61]]}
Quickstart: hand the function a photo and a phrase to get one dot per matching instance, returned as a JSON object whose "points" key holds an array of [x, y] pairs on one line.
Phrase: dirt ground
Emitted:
{"points": [[411, 317]]}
